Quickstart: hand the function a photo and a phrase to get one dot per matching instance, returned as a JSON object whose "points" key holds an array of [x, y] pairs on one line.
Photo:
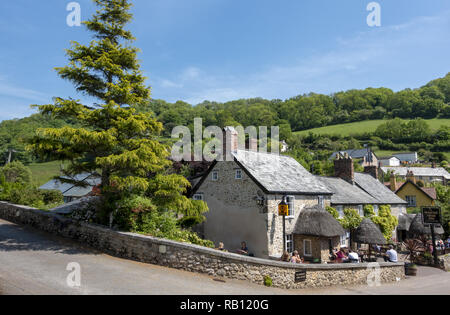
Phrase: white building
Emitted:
{"points": [[389, 161]]}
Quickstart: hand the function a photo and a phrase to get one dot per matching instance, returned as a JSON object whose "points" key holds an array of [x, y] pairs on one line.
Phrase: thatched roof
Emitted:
{"points": [[368, 233], [316, 221], [418, 228], [404, 221]]}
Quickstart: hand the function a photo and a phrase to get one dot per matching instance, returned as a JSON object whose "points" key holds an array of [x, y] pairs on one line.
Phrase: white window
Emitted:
{"points": [[198, 197], [343, 241], [411, 200], [307, 248], [238, 174], [290, 243], [361, 210], [375, 209], [321, 201], [340, 210], [291, 204], [215, 176]]}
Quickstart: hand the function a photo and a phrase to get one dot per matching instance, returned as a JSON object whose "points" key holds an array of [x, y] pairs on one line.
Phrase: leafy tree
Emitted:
{"points": [[369, 212], [351, 221], [333, 212], [386, 221], [16, 172], [116, 137]]}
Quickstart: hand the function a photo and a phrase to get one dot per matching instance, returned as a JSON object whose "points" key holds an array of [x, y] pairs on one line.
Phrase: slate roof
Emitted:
{"points": [[418, 171], [279, 173], [377, 189], [346, 193], [353, 153], [70, 190]]}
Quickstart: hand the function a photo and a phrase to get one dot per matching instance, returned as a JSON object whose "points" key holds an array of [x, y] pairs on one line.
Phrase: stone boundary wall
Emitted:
{"points": [[196, 258]]}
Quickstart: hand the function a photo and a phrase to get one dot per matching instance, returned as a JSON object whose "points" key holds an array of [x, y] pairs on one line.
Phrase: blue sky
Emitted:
{"points": [[219, 50]]}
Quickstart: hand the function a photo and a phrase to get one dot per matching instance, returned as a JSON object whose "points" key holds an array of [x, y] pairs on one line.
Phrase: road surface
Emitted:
{"points": [[34, 262]]}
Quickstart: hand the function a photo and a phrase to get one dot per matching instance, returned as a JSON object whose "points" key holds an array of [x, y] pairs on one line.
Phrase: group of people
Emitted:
{"points": [[294, 258], [350, 256], [242, 251], [442, 245]]}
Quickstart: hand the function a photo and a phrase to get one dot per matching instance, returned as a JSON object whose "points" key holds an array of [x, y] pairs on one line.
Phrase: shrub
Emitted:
{"points": [[16, 172], [268, 281], [333, 212]]}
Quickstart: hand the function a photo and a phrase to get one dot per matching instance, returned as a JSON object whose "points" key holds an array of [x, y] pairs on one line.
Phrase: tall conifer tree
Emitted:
{"points": [[115, 140]]}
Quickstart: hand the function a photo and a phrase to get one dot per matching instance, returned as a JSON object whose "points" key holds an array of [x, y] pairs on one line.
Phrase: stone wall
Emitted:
{"points": [[195, 258]]}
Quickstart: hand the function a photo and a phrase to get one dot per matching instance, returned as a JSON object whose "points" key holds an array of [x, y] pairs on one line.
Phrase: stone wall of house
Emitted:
{"points": [[199, 259]]}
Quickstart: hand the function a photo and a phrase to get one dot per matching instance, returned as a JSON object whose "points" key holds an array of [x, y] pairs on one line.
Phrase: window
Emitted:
{"points": [[307, 248], [290, 243], [375, 208], [215, 176], [411, 200], [198, 197], [340, 210], [290, 201], [321, 201], [238, 174], [360, 210], [343, 241]]}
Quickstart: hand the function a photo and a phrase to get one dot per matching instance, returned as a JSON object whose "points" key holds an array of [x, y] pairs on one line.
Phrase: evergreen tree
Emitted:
{"points": [[114, 139]]}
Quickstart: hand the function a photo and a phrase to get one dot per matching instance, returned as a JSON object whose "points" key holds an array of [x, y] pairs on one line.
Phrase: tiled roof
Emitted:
{"points": [[418, 171], [279, 173], [346, 193], [377, 189]]}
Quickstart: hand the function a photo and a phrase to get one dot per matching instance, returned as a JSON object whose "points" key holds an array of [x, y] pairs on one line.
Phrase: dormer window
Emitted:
{"points": [[238, 174], [215, 176]]}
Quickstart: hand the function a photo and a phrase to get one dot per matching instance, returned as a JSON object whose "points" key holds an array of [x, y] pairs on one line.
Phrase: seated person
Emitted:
{"points": [[243, 250], [285, 257], [340, 255], [221, 247], [353, 256], [391, 255], [296, 259]]}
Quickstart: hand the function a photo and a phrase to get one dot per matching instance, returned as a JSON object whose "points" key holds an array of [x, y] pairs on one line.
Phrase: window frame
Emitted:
{"points": [[409, 200], [236, 174], [310, 248], [291, 213], [290, 243], [216, 173], [201, 195], [340, 210]]}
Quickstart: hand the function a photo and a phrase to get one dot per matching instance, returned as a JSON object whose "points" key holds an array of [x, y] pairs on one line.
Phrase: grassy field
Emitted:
{"points": [[43, 172], [364, 126]]}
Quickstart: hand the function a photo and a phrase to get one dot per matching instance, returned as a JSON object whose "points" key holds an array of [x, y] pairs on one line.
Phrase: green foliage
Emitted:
{"points": [[333, 212], [268, 281], [369, 212], [139, 214], [351, 219], [386, 221], [16, 172], [443, 200]]}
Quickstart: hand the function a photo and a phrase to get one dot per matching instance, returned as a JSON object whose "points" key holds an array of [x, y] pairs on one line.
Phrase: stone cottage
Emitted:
{"points": [[243, 196]]}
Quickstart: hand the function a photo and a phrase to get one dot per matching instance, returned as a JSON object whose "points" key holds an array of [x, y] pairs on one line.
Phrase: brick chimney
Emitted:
{"points": [[371, 170], [230, 143], [253, 144], [343, 168], [393, 181], [410, 176]]}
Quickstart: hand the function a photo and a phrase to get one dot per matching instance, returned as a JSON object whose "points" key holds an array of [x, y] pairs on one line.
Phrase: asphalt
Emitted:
{"points": [[35, 263]]}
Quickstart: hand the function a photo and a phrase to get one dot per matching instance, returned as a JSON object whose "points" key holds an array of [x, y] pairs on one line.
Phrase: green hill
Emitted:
{"points": [[362, 127]]}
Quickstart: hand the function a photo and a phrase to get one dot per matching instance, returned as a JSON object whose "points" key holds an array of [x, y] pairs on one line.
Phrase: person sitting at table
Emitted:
{"points": [[391, 255], [340, 255], [285, 257], [296, 259], [243, 250], [353, 256]]}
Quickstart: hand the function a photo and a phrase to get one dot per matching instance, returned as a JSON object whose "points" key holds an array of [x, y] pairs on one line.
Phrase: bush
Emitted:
{"points": [[16, 172], [268, 281]]}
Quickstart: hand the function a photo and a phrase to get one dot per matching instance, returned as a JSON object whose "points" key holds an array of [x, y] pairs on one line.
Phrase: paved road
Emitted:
{"points": [[33, 262]]}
